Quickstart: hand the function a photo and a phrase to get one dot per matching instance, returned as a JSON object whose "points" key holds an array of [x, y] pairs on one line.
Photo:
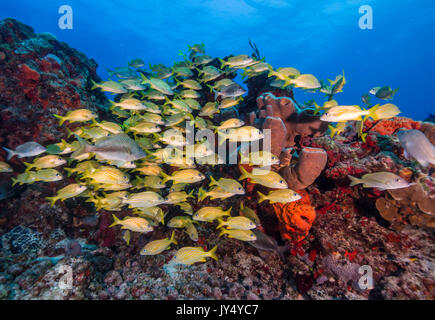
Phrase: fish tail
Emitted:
{"points": [[201, 194], [394, 92], [333, 131], [287, 82], [271, 73], [70, 171], [363, 137], [372, 113], [165, 177], [222, 232], [83, 148], [29, 166], [212, 253], [262, 197], [222, 137], [94, 85], [10, 152], [213, 182], [221, 223], [211, 87], [14, 181], [245, 174], [61, 119], [228, 212], [190, 194], [172, 240], [52, 200], [354, 181], [144, 79], [115, 221], [223, 63]]}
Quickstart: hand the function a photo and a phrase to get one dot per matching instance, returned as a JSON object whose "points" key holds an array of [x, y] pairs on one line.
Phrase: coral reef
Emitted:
{"points": [[41, 77]]}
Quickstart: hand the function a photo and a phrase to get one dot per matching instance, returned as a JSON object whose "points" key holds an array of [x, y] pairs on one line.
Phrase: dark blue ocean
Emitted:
{"points": [[318, 37]]}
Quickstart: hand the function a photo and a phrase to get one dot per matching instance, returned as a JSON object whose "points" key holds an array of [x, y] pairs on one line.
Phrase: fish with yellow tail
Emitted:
{"points": [[46, 162], [184, 176], [228, 185], [214, 193], [209, 214], [158, 246], [249, 213], [347, 113], [70, 191], [266, 178], [239, 223], [243, 235], [242, 134], [79, 115], [191, 232], [339, 128], [134, 224], [191, 255], [280, 196]]}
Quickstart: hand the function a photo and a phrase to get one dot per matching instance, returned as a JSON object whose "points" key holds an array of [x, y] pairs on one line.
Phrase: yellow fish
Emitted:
{"points": [[214, 193], [242, 134], [70, 191], [191, 232], [127, 236], [107, 175], [229, 124], [133, 224], [48, 175], [186, 207], [25, 178], [339, 128], [191, 255], [180, 222], [79, 115], [239, 223], [228, 185], [151, 170], [281, 196], [259, 158], [243, 235], [347, 113], [50, 161], [209, 214], [266, 178], [158, 246], [184, 176], [144, 199], [249, 213], [82, 167], [154, 213], [177, 197]]}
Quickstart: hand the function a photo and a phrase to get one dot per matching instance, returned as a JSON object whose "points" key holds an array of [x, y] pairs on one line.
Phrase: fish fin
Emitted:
{"points": [[94, 85], [115, 222], [14, 181], [70, 171], [29, 166], [10, 152], [222, 233], [393, 93], [212, 253], [223, 63], [363, 137], [201, 194], [262, 197], [354, 180], [228, 212], [52, 200], [82, 149], [333, 131], [172, 240], [165, 177], [216, 95], [213, 182], [61, 119], [372, 113], [221, 223], [245, 174]]}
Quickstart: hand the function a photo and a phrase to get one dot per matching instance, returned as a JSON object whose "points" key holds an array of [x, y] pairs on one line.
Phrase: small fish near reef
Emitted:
{"points": [[28, 149], [191, 255], [380, 180], [158, 246]]}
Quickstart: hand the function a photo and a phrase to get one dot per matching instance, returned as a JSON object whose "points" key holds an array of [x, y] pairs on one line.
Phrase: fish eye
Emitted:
{"points": [[281, 181]]}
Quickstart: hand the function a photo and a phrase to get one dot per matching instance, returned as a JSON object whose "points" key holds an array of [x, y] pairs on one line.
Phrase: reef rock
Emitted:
{"points": [[41, 76]]}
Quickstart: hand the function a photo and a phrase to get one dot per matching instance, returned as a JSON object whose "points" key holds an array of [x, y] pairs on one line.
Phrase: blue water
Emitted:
{"points": [[317, 36]]}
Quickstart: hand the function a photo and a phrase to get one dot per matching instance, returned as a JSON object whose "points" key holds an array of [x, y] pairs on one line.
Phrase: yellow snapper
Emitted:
{"points": [[249, 213], [243, 235], [210, 214], [107, 175], [25, 178], [184, 176], [305, 81], [87, 166], [180, 222], [228, 185], [177, 197], [154, 213], [144, 199], [230, 124], [191, 232], [109, 86], [70, 191], [239, 223], [151, 170], [266, 178], [111, 127], [50, 161], [214, 193], [339, 128], [158, 85], [79, 115], [191, 255], [281, 196], [242, 134], [259, 158], [346, 113], [186, 207], [48, 175], [133, 224], [158, 246], [380, 180]]}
